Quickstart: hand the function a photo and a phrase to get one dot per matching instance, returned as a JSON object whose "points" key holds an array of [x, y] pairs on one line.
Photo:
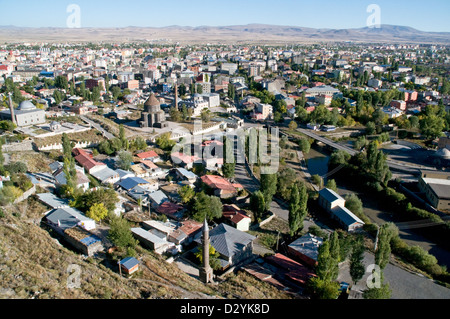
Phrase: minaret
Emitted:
{"points": [[176, 96], [11, 109], [206, 272]]}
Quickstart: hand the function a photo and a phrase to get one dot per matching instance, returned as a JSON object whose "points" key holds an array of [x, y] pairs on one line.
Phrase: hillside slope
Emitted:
{"points": [[33, 264]]}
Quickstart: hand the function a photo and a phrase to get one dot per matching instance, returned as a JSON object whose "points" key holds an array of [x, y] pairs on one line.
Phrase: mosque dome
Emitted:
{"points": [[444, 153], [26, 105]]}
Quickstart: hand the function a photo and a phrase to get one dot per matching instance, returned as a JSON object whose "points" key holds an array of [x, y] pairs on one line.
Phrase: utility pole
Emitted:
{"points": [[120, 268]]}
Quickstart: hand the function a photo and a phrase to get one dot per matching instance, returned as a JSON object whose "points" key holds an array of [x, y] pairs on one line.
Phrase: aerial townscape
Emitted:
{"points": [[209, 169]]}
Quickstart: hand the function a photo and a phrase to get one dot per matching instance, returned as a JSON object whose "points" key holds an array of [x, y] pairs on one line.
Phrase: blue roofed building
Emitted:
{"points": [[131, 182], [129, 265]]}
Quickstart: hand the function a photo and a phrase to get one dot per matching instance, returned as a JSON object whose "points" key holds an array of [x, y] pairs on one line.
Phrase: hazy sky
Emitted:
{"points": [[425, 15]]}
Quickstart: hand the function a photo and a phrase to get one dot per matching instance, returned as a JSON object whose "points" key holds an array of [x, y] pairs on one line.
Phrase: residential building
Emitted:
{"points": [[324, 99], [106, 175], [262, 111], [86, 160], [306, 249], [220, 186], [63, 218], [375, 83], [234, 246], [151, 241], [149, 156], [399, 104], [293, 271], [392, 112], [321, 89], [236, 217]]}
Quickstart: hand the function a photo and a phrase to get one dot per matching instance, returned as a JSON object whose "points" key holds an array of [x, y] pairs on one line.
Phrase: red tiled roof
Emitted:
{"points": [[295, 271], [233, 213], [190, 226], [215, 181], [168, 208], [87, 162], [147, 154], [185, 158], [149, 164]]}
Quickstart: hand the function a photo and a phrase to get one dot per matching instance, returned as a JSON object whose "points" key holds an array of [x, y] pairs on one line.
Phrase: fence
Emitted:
{"points": [[26, 194], [58, 146]]}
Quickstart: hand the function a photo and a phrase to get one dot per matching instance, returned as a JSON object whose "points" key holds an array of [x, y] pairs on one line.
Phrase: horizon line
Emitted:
{"points": [[215, 26]]}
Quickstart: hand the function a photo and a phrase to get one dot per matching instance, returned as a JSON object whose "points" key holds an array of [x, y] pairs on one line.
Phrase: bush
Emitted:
{"points": [[371, 229], [417, 256], [317, 231]]}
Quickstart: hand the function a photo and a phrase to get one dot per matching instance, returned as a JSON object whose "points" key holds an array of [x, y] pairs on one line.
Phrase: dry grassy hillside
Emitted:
{"points": [[34, 265]]}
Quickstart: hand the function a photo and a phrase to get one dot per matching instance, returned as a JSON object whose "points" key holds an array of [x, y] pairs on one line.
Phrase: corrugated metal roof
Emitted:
{"points": [[131, 182], [67, 217], [228, 240], [308, 245], [329, 195], [346, 216], [129, 262]]}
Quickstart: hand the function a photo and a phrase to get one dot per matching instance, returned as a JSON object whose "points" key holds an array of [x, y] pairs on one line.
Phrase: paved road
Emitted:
{"points": [[97, 126], [404, 284]]}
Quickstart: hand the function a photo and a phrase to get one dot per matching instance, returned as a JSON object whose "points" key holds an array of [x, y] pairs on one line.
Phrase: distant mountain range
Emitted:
{"points": [[251, 33]]}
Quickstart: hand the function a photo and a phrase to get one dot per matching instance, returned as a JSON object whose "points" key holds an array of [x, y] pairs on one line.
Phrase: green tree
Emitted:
{"points": [[292, 125], [213, 257], [107, 196], [357, 269], [268, 187], [116, 91], [120, 233], [257, 205], [431, 126], [205, 206], [229, 163], [164, 142], [383, 252], [323, 289], [186, 193], [61, 82], [370, 128], [125, 160], [175, 114], [335, 250], [123, 138], [327, 267], [383, 292], [206, 116], [7, 125], [317, 180], [339, 157], [286, 179], [331, 184], [355, 205], [294, 209], [97, 212], [231, 91]]}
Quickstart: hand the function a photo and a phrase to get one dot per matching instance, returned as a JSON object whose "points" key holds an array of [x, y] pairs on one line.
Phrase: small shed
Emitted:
{"points": [[129, 265]]}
